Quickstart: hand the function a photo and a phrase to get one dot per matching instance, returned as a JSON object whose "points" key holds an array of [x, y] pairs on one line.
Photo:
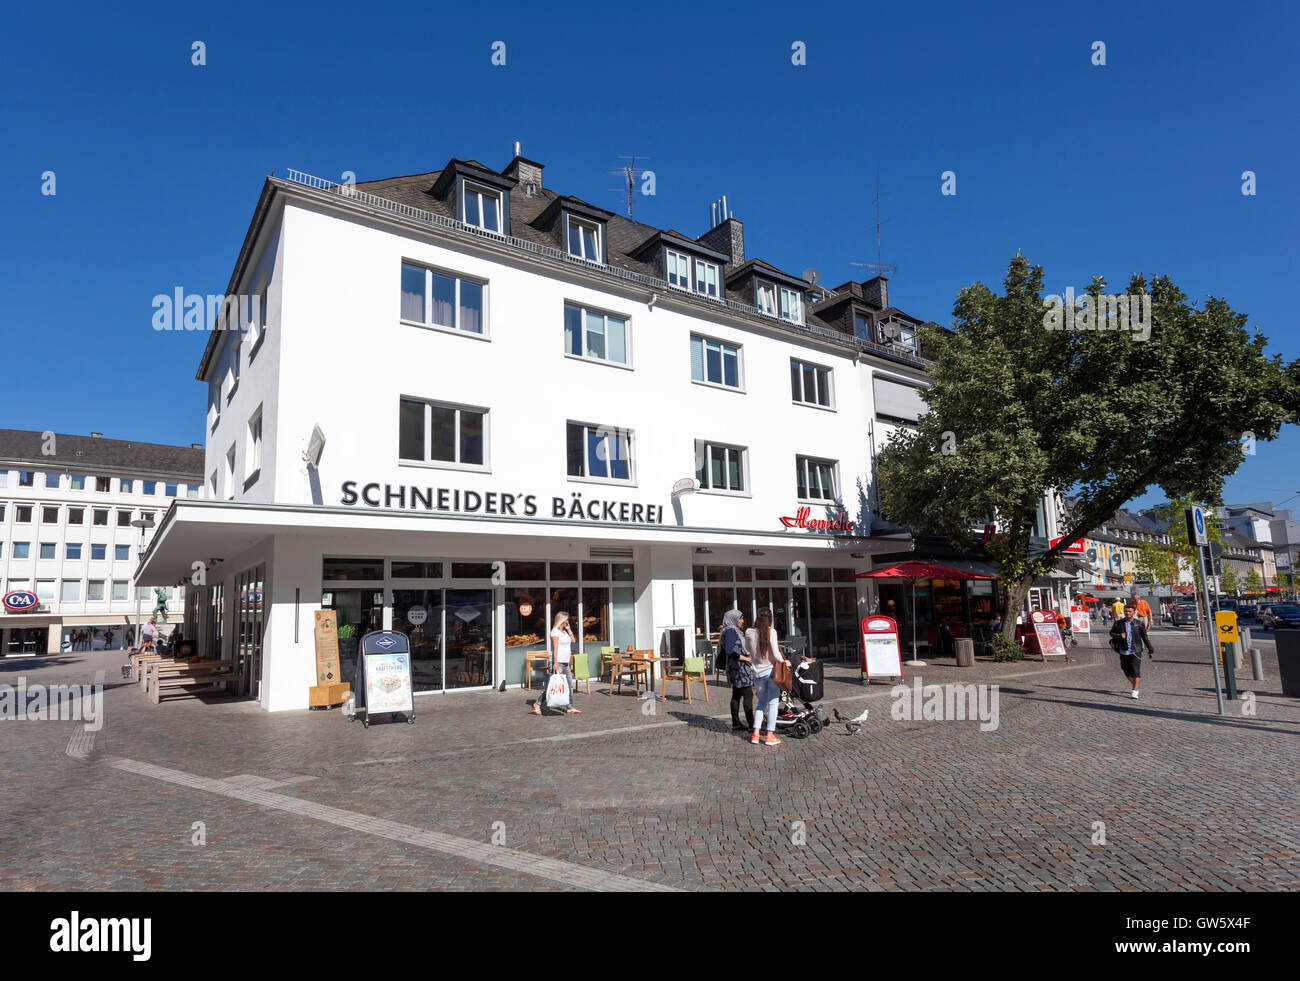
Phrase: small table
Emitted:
{"points": [[534, 657], [650, 663]]}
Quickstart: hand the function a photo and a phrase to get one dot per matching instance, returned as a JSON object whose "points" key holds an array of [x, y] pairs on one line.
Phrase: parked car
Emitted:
{"points": [[1284, 616], [1184, 614], [1246, 611]]}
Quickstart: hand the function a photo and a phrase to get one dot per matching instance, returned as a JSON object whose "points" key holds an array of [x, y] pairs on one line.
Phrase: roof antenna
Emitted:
{"points": [[630, 174], [877, 268]]}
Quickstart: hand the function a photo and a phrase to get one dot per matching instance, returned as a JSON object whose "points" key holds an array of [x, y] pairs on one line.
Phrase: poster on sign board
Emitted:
{"points": [[881, 657], [1048, 633], [1080, 622], [388, 683]]}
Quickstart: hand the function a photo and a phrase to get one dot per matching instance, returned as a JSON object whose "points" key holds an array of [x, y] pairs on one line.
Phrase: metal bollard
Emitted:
{"points": [[1256, 664]]}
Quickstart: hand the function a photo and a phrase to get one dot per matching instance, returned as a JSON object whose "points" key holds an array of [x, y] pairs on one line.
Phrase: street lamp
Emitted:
{"points": [[142, 522]]}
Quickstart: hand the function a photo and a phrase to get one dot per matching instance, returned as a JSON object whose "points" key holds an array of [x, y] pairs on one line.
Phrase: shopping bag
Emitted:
{"points": [[557, 691]]}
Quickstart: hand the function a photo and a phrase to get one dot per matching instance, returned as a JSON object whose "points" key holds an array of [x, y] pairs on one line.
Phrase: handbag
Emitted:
{"points": [[557, 690], [783, 675]]}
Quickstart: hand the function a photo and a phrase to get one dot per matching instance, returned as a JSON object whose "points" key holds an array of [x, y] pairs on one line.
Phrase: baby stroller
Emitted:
{"points": [[796, 713]]}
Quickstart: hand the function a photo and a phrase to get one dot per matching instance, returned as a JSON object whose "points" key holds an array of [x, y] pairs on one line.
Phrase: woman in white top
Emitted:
{"points": [[761, 646], [561, 645]]}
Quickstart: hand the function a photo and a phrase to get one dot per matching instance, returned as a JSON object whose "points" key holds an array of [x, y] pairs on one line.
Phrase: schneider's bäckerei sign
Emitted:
{"points": [[456, 501]]}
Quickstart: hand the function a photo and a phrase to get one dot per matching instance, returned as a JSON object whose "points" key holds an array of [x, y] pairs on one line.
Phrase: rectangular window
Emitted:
{"points": [[26, 478], [714, 362], [719, 467], [71, 591], [121, 553], [95, 591], [78, 481], [119, 589], [123, 518], [47, 550], [101, 485], [22, 550], [452, 302], [603, 452], [72, 550], [126, 485], [810, 383], [45, 590], [253, 454], [50, 515], [791, 306], [706, 278], [99, 517], [97, 552], [482, 208], [230, 472], [815, 479], [584, 239], [22, 514], [593, 334], [765, 299], [150, 488], [862, 327], [432, 433], [677, 269]]}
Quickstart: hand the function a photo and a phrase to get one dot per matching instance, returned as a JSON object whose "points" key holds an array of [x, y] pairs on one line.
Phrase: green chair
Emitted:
{"points": [[606, 659], [580, 671], [692, 669]]}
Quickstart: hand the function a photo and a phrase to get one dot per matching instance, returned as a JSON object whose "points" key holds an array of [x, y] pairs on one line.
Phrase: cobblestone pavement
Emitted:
{"points": [[1078, 788]]}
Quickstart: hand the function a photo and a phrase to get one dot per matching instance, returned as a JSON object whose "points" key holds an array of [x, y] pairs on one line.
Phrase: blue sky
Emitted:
{"points": [[1134, 166]]}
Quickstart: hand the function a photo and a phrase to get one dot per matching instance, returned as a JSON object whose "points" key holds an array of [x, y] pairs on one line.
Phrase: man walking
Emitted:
{"points": [[1143, 611], [1127, 637]]}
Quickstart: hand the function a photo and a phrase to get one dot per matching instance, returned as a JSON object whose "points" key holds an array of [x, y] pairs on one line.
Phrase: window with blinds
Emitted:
{"points": [[897, 400]]}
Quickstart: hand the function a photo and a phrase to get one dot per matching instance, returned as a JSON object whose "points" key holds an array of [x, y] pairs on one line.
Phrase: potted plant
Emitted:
{"points": [[348, 642]]}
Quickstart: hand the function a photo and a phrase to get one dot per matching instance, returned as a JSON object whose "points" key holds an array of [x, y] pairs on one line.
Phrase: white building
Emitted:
{"points": [[509, 384], [66, 509]]}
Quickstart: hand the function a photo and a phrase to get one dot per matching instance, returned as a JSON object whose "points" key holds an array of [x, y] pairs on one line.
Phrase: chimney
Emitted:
{"points": [[876, 292], [726, 235], [96, 435], [523, 170]]}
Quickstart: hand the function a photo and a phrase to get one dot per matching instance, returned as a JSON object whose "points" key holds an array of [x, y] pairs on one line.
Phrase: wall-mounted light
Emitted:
{"points": [[756, 551], [858, 555], [704, 551]]}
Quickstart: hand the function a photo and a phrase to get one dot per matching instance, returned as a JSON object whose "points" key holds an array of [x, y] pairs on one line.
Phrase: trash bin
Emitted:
{"points": [[1288, 660], [965, 647]]}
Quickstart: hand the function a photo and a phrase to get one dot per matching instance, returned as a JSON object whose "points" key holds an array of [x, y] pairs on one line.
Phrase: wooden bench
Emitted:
{"points": [[138, 664], [161, 675]]}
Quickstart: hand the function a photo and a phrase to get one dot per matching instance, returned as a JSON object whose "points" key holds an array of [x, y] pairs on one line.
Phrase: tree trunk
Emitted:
{"points": [[1016, 593]]}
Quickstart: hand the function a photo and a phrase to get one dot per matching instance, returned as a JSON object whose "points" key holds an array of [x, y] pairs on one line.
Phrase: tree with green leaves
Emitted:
{"points": [[1254, 582], [1019, 406], [1228, 581]]}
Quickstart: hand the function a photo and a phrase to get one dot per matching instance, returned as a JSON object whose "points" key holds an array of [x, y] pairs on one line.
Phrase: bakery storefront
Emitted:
{"points": [[475, 581]]}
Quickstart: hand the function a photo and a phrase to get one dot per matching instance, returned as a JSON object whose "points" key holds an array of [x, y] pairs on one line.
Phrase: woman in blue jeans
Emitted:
{"points": [[761, 646]]}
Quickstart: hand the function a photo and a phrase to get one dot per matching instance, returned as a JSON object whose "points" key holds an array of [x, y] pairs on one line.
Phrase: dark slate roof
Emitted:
{"points": [[18, 446]]}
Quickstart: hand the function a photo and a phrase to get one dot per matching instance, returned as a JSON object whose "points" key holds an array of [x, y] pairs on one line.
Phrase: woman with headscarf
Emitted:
{"points": [[731, 646]]}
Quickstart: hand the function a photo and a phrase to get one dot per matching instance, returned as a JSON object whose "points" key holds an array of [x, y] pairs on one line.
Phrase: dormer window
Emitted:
{"points": [[791, 306], [862, 326], [482, 208], [678, 272], [583, 239], [706, 278], [765, 299]]}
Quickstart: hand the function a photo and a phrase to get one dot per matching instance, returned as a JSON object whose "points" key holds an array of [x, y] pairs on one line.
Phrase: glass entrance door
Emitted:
{"points": [[468, 651], [777, 599], [451, 636]]}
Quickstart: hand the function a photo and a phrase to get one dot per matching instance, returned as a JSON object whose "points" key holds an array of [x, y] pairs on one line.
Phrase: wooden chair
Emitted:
{"points": [[692, 669], [625, 665], [606, 656], [580, 671]]}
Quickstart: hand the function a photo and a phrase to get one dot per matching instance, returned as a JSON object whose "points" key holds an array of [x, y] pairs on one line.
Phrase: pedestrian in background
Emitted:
{"points": [[762, 646], [731, 648], [1127, 638]]}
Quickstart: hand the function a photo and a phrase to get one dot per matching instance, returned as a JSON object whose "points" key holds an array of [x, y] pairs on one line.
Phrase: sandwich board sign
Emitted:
{"points": [[1080, 622], [1050, 643], [384, 675], [880, 652]]}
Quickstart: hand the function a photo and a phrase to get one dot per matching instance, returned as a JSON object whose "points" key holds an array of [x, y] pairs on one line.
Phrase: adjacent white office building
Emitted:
{"points": [[460, 402], [68, 548]]}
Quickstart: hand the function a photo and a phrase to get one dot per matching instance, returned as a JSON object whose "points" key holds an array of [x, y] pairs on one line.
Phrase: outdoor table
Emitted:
{"points": [[650, 662]]}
